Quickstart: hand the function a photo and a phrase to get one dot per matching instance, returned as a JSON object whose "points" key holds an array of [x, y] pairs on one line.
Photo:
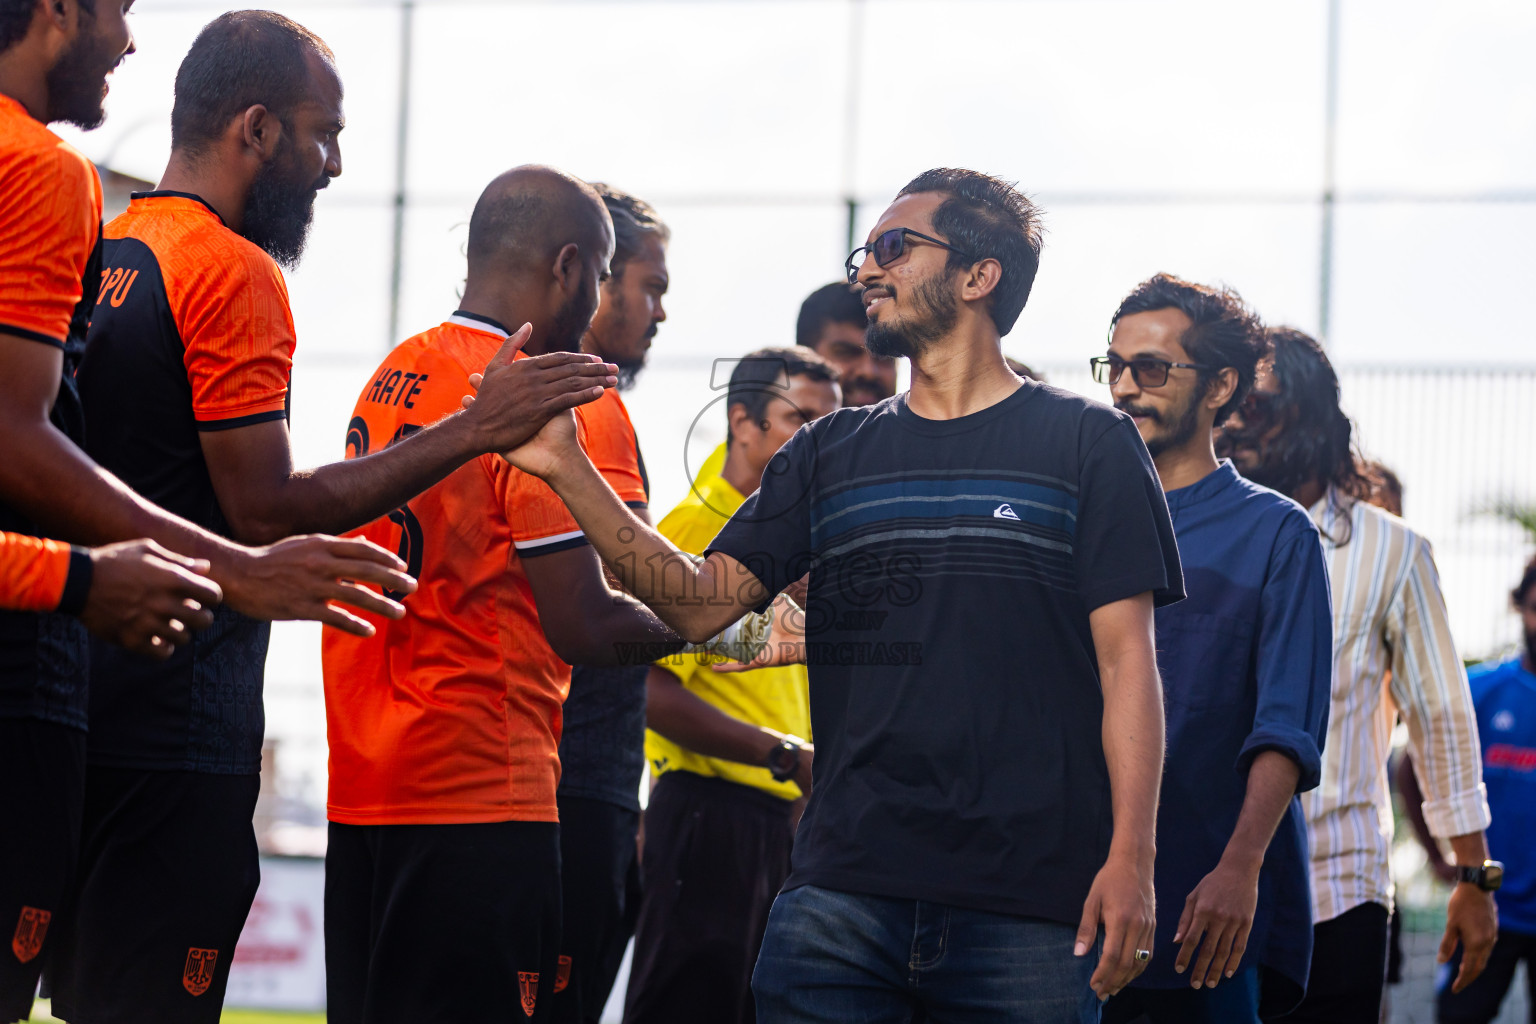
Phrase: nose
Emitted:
{"points": [[333, 159], [659, 313], [132, 48], [868, 271], [1126, 386]]}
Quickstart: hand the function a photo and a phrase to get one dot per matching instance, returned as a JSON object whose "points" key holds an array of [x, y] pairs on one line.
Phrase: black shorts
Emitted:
{"points": [[168, 870], [449, 923], [600, 882], [42, 766]]}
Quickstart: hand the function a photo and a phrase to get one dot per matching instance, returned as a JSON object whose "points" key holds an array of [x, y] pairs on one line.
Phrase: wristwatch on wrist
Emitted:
{"points": [[1487, 876], [784, 760]]}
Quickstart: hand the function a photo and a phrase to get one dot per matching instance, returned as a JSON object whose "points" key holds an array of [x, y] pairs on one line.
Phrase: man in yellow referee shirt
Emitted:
{"points": [[729, 751]]}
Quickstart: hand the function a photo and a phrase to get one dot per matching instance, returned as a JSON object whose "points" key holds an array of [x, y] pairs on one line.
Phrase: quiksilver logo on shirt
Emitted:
{"points": [[1005, 511]]}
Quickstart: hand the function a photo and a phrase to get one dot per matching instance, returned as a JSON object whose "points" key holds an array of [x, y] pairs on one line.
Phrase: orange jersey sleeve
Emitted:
{"points": [[239, 334], [50, 218], [32, 572], [611, 445]]}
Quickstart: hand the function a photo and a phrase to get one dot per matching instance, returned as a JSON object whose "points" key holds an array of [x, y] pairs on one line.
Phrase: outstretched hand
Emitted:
{"points": [[516, 397], [311, 577], [786, 640], [148, 599]]}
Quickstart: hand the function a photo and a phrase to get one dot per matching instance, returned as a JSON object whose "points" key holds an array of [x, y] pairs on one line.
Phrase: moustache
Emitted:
{"points": [[650, 332], [1138, 410]]}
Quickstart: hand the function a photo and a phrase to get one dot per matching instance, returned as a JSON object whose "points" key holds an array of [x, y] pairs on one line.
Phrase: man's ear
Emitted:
{"points": [[1223, 387], [261, 131], [981, 280], [567, 267], [60, 15], [737, 419]]}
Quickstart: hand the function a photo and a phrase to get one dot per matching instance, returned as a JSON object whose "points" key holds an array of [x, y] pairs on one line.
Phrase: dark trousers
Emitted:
{"points": [[600, 879], [716, 853], [1479, 1002], [1349, 969], [1234, 1000], [441, 924]]}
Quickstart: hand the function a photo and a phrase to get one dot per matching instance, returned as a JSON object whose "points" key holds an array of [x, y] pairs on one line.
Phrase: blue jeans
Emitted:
{"points": [[835, 957]]}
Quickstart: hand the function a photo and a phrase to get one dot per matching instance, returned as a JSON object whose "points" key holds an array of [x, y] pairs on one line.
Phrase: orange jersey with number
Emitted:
{"points": [[32, 572], [453, 713]]}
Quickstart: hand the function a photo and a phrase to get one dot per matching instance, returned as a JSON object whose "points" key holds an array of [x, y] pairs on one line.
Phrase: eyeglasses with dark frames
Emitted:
{"points": [[1145, 370], [888, 247]]}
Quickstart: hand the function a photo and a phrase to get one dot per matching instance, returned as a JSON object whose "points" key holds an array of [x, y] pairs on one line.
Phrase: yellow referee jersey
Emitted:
{"points": [[777, 698]]}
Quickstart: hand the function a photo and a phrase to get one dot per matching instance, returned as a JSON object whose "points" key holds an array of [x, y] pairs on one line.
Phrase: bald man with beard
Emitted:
{"points": [[443, 872]]}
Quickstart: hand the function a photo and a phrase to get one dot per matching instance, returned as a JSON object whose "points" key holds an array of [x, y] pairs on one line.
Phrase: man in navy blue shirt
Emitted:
{"points": [[984, 554], [1505, 696], [1246, 662]]}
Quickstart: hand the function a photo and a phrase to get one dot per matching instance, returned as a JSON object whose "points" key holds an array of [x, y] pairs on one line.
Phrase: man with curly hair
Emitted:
{"points": [[1246, 665], [1393, 655]]}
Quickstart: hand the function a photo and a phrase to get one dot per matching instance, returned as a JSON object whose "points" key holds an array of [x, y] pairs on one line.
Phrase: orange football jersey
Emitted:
{"points": [[50, 218], [50, 221], [453, 713]]}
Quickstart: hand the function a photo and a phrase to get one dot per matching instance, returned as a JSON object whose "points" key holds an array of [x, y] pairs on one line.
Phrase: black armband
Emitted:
{"points": [[77, 585]]}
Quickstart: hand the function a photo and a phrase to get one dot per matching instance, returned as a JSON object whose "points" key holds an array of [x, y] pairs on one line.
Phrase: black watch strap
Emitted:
{"points": [[784, 760], [1487, 876]]}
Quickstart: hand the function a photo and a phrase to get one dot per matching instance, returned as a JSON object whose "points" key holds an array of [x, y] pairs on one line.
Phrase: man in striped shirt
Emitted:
{"points": [[1393, 655]]}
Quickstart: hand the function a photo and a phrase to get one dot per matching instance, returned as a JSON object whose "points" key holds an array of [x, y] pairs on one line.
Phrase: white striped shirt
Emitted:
{"points": [[1392, 654]]}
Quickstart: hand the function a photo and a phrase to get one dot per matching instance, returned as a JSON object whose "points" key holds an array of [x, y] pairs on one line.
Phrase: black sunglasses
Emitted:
{"points": [[1146, 371], [888, 247]]}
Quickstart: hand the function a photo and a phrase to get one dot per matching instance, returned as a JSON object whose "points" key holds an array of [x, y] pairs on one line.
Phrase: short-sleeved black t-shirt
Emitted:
{"points": [[954, 687]]}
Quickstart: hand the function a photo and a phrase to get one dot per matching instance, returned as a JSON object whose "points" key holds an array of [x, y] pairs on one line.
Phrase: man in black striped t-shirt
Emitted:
{"points": [[985, 554]]}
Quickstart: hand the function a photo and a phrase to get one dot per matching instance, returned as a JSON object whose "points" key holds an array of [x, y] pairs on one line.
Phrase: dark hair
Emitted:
{"points": [[989, 219], [755, 381], [1527, 581], [16, 19], [1386, 487], [1223, 332], [238, 60], [634, 220], [1317, 442], [835, 303]]}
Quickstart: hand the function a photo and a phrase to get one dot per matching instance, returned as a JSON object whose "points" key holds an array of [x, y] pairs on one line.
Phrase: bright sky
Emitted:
{"points": [[1170, 135]]}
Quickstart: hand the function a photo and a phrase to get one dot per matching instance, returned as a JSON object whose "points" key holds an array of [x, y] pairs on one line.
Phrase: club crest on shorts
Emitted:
{"points": [[528, 988], [562, 974], [198, 974], [31, 928]]}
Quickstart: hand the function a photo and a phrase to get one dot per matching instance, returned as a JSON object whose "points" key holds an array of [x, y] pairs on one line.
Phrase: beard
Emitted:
{"points": [[571, 324], [629, 369], [1177, 435], [863, 390], [279, 209], [1262, 462], [934, 313], [77, 81]]}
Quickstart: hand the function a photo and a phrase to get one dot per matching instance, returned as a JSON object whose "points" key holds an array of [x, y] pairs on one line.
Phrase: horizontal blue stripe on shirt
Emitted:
{"points": [[928, 499]]}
